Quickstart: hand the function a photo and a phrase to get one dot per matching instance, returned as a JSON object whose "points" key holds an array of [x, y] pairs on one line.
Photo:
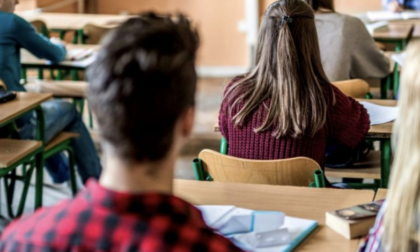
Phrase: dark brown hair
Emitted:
{"points": [[142, 81], [325, 4], [288, 73]]}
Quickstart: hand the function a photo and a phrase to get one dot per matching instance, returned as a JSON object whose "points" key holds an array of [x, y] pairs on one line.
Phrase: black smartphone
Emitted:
{"points": [[6, 96], [360, 211]]}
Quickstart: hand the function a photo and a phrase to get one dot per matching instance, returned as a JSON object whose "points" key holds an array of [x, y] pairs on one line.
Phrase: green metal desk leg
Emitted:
{"points": [[76, 37], [82, 38], [62, 34], [224, 146], [385, 86], [396, 79], [39, 159], [385, 162]]}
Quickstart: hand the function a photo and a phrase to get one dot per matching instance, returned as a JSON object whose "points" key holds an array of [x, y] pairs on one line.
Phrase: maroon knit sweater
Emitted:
{"points": [[347, 123]]}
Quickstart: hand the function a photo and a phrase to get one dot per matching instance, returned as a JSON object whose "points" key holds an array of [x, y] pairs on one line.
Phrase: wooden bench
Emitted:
{"points": [[70, 89], [60, 138], [11, 151], [370, 168]]}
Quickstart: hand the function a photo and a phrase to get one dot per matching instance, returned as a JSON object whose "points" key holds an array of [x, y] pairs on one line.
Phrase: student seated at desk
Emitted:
{"points": [[400, 5], [286, 107], [397, 225], [16, 33], [142, 94], [348, 51]]}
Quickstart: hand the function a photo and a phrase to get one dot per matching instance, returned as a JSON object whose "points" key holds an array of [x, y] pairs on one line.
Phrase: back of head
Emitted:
{"points": [[402, 229], [288, 72], [321, 4], [141, 83]]}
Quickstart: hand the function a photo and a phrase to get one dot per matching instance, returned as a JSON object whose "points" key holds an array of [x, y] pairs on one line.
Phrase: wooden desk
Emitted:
{"points": [[73, 22], [381, 194], [10, 111], [398, 34], [302, 202], [28, 60], [23, 103], [382, 131]]}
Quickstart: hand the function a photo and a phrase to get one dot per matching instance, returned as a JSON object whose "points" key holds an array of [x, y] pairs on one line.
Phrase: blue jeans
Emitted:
{"points": [[62, 116]]}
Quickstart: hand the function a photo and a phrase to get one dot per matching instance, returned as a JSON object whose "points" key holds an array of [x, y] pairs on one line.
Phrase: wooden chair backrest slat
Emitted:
{"points": [[293, 172], [356, 88], [93, 33]]}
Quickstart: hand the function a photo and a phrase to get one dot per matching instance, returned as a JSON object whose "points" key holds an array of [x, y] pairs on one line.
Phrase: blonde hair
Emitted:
{"points": [[401, 223], [288, 72]]}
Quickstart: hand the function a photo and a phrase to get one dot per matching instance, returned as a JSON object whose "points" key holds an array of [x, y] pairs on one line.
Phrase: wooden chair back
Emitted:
{"points": [[2, 85], [356, 88], [292, 172], [94, 33], [40, 27]]}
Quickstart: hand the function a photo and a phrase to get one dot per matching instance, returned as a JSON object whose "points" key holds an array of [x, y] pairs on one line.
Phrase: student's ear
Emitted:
{"points": [[188, 122]]}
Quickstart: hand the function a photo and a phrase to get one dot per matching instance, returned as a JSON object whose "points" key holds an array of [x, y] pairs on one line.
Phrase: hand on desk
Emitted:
{"points": [[394, 6]]}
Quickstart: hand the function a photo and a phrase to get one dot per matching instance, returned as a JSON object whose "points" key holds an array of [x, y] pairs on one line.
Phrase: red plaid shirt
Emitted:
{"points": [[102, 220]]}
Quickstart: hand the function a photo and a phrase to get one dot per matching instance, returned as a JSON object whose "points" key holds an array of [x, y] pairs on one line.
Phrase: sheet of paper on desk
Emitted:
{"points": [[388, 16], [380, 114], [258, 231], [372, 27], [78, 54], [399, 58]]}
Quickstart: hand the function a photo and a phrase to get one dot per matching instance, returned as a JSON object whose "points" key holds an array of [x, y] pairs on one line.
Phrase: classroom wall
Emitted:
{"points": [[222, 44], [217, 20]]}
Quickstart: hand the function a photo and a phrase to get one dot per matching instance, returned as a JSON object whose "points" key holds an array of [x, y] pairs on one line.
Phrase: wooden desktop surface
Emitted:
{"points": [[381, 194], [301, 202], [70, 21], [29, 60], [394, 31], [23, 103]]}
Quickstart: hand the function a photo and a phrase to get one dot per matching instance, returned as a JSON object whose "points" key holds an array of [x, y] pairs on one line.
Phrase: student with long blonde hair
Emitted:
{"points": [[398, 224], [286, 107]]}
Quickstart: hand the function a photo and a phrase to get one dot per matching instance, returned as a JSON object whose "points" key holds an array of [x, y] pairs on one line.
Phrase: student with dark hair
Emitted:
{"points": [[17, 33], [286, 107], [142, 90], [348, 51]]}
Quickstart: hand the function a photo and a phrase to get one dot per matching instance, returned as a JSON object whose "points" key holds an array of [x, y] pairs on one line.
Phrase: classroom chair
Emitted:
{"points": [[301, 171], [92, 34], [358, 89], [15, 153], [61, 143]]}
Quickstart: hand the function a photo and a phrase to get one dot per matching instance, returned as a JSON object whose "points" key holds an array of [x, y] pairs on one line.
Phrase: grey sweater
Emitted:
{"points": [[347, 49]]}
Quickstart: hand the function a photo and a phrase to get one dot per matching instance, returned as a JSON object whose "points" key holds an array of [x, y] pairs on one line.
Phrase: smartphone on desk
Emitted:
{"points": [[6, 96], [360, 211]]}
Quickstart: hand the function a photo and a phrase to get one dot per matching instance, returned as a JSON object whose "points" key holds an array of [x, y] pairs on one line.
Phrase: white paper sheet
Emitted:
{"points": [[78, 54], [388, 15], [399, 58], [372, 27], [287, 231], [380, 114]]}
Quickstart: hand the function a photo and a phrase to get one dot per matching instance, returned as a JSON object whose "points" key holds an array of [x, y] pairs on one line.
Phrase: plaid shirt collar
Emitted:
{"points": [[141, 204]]}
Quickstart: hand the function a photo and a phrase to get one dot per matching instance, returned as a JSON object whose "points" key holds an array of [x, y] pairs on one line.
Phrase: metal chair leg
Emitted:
{"points": [[73, 184]]}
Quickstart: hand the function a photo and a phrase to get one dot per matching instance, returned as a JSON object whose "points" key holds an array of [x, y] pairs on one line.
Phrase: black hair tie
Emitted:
{"points": [[286, 20]]}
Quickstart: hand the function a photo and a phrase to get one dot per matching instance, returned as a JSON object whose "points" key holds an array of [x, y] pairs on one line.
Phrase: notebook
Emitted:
{"points": [[258, 231], [388, 16], [380, 114]]}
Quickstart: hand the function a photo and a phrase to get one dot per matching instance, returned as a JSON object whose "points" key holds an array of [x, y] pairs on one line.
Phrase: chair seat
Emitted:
{"points": [[12, 150], [72, 89], [370, 168], [63, 136]]}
